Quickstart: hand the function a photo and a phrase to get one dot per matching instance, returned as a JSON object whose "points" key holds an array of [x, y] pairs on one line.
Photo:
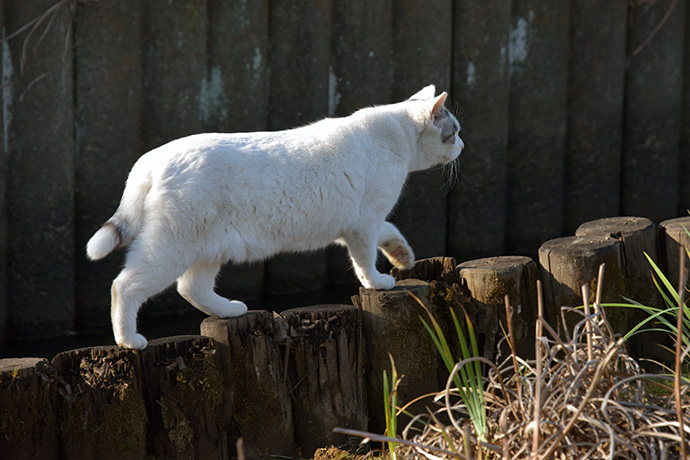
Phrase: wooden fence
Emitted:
{"points": [[572, 110], [282, 382]]}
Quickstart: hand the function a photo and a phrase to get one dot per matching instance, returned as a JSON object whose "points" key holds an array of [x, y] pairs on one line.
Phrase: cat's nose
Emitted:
{"points": [[461, 144]]}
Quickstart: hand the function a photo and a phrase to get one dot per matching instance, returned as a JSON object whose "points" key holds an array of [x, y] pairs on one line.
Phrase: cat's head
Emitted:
{"points": [[437, 129]]}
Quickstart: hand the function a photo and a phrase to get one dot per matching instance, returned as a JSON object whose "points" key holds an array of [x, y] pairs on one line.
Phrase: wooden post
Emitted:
{"points": [[259, 409], [489, 280], [38, 106], [101, 411], [477, 203], [673, 237], [392, 325], [568, 263], [538, 113], [183, 386], [595, 110], [653, 99], [108, 123], [325, 368], [637, 235], [28, 426]]}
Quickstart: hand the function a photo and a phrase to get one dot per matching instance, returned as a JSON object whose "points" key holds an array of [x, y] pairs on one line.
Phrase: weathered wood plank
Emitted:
{"points": [[300, 53], [536, 137], [392, 326], [638, 236], [595, 110], [422, 56], [477, 203], [174, 64], [684, 169], [673, 237], [325, 368], [107, 113], [652, 112], [490, 280], [4, 308], [28, 424], [568, 263], [101, 411], [258, 404], [183, 387], [38, 101]]}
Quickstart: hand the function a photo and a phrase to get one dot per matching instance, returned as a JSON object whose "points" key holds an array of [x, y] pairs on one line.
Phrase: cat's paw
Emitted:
{"points": [[232, 309], [382, 282], [135, 342], [398, 253]]}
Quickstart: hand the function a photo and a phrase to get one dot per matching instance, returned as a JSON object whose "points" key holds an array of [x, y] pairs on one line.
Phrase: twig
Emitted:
{"points": [[588, 319]]}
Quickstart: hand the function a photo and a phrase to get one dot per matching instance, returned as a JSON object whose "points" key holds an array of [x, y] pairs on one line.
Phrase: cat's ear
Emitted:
{"points": [[427, 92], [437, 104]]}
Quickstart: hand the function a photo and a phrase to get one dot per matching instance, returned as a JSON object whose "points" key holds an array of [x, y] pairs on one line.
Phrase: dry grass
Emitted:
{"points": [[581, 397]]}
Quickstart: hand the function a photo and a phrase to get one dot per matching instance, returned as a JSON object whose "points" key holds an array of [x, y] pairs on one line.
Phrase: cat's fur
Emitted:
{"points": [[198, 202]]}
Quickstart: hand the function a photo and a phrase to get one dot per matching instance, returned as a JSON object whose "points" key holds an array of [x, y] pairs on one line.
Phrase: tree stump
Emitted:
{"points": [[489, 280], [183, 387], [432, 269], [28, 425], [674, 237], [101, 411], [637, 235], [259, 409], [391, 324], [325, 368], [568, 263]]}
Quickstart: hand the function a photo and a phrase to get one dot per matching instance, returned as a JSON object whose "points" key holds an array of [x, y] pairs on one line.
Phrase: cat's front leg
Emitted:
{"points": [[362, 248], [395, 247]]}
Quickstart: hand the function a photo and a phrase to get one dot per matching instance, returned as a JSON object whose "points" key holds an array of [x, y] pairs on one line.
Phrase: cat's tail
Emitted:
{"points": [[121, 229]]}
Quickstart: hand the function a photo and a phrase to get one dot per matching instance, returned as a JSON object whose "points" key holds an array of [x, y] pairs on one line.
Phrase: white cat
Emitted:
{"points": [[198, 202]]}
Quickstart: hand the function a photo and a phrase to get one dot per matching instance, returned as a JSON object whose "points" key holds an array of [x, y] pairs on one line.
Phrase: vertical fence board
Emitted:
{"points": [[536, 139], [595, 110], [362, 50], [108, 101], [300, 56], [684, 190], [422, 56], [652, 112], [174, 65], [477, 203], [3, 192], [234, 98], [40, 189]]}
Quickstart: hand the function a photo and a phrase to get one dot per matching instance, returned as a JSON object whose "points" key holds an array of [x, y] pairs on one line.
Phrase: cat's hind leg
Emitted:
{"points": [[133, 286], [395, 247], [196, 285]]}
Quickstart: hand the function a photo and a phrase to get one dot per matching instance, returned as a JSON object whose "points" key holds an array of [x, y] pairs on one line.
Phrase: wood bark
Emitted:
{"points": [[258, 405], [637, 236], [183, 387], [325, 369], [674, 236], [568, 263], [100, 408], [28, 425], [489, 281], [392, 326]]}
